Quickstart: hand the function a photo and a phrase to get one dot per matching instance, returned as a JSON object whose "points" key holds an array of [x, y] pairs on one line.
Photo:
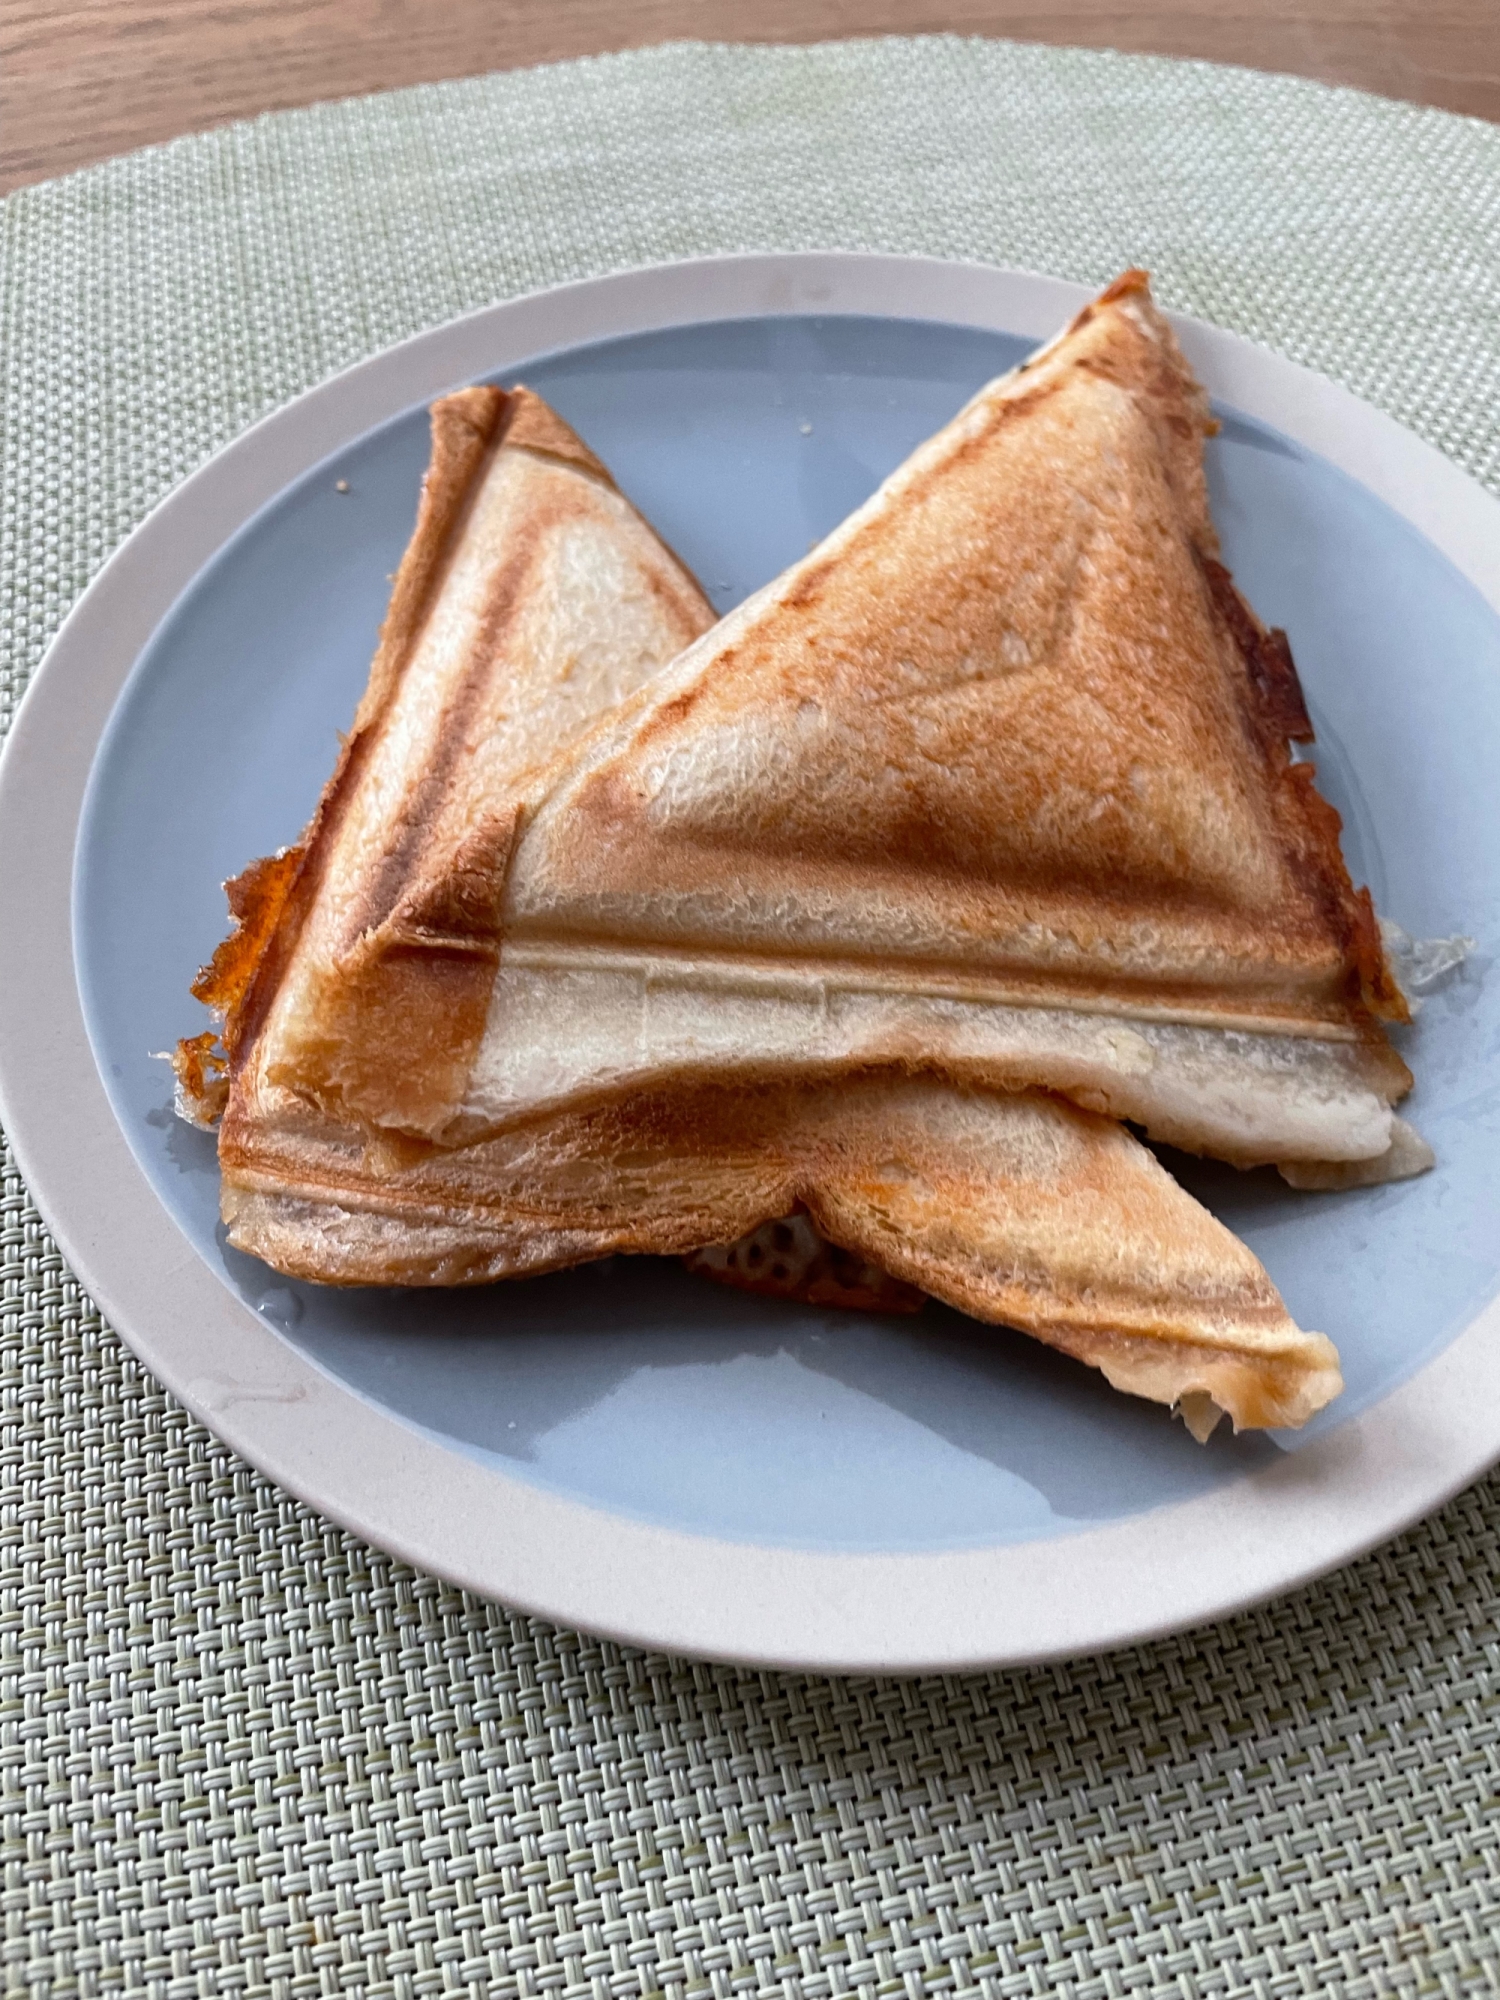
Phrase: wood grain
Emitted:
{"points": [[82, 79]]}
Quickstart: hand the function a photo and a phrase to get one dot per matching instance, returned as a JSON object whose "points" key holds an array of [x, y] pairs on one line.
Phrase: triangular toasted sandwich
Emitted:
{"points": [[531, 598], [1012, 1205], [997, 780]]}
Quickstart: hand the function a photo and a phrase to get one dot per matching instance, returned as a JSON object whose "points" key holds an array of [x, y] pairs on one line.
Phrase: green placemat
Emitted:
{"points": [[243, 1754]]}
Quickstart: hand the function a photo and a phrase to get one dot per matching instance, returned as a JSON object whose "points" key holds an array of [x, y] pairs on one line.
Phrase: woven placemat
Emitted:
{"points": [[241, 1753]]}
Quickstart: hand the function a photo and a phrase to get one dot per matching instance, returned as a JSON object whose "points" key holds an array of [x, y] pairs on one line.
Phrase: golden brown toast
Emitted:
{"points": [[997, 780], [1012, 1205], [1016, 1208], [531, 597]]}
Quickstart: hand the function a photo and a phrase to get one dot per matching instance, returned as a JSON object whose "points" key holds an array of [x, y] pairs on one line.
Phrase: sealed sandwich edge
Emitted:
{"points": [[267, 899]]}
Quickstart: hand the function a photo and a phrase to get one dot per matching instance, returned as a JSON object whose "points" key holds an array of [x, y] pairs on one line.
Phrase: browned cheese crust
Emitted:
{"points": [[788, 1259]]}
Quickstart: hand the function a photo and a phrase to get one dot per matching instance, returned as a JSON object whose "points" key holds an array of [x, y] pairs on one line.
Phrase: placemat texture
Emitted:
{"points": [[244, 1754]]}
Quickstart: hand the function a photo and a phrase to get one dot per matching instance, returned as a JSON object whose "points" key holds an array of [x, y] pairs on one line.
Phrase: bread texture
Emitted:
{"points": [[531, 597]]}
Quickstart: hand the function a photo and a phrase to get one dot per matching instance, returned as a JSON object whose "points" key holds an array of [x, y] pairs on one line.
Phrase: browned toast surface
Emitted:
{"points": [[1016, 1208], [1012, 721], [531, 597], [360, 992]]}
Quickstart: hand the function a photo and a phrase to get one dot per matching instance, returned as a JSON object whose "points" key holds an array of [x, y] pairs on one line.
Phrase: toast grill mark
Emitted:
{"points": [[401, 952], [416, 839]]}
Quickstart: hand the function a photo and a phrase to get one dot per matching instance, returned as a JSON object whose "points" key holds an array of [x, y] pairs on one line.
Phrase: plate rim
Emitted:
{"points": [[1011, 1604]]}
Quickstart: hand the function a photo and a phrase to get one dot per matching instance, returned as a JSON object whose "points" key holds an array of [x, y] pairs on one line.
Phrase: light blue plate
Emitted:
{"points": [[633, 1386]]}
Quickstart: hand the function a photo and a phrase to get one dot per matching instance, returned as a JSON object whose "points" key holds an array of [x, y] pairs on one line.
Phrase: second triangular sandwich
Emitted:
{"points": [[1013, 1206]]}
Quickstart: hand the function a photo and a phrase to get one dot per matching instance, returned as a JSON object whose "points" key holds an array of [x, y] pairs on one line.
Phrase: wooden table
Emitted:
{"points": [[82, 79]]}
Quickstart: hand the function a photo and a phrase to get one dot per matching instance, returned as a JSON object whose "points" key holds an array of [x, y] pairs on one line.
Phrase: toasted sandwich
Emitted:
{"points": [[1010, 1204], [531, 597], [1014, 1207], [997, 781]]}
